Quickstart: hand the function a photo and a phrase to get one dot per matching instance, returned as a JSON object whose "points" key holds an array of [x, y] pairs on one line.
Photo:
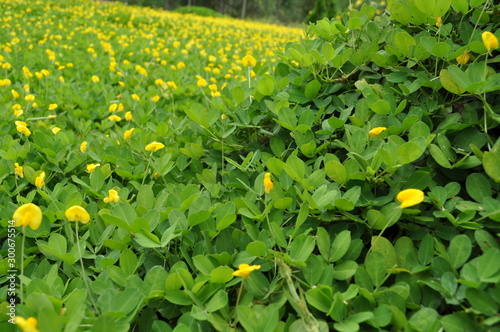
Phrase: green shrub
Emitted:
{"points": [[198, 10]]}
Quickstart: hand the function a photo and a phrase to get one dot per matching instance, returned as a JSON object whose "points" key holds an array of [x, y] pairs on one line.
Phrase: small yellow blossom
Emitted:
{"points": [[172, 85], [463, 58], [128, 116], [23, 130], [120, 107], [78, 214], [410, 197], [156, 175], [15, 94], [135, 97], [29, 98], [40, 180], [92, 167], [155, 98], [490, 41], [127, 134], [52, 116], [95, 79], [376, 131], [55, 130], [113, 107], [52, 107], [18, 113], [122, 84], [439, 22], [268, 183], [27, 325], [28, 215], [154, 146], [114, 118], [202, 83], [223, 117], [83, 147], [18, 170], [244, 270], [248, 61], [112, 196], [181, 65]]}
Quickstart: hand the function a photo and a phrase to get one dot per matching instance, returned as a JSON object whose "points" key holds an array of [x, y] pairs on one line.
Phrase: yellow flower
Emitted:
{"points": [[128, 116], [29, 98], [95, 79], [439, 22], [52, 107], [410, 197], [172, 85], [18, 113], [77, 213], [490, 41], [92, 167], [23, 130], [15, 94], [127, 134], [114, 118], [83, 147], [202, 83], [268, 183], [112, 196], [155, 98], [19, 171], [135, 97], [52, 116], [55, 130], [154, 146], [215, 93], [376, 131], [244, 270], [120, 107], [156, 175], [27, 325], [248, 60], [112, 108], [223, 117], [28, 215], [21, 123], [463, 58], [181, 65], [40, 180]]}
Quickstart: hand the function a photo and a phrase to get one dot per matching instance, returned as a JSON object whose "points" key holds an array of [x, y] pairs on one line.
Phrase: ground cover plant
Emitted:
{"points": [[170, 172]]}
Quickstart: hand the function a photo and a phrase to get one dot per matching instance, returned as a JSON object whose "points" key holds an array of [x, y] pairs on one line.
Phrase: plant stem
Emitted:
{"points": [[22, 265], [235, 322], [83, 274]]}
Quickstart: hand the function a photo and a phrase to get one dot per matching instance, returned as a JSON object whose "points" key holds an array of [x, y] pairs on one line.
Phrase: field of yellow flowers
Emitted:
{"points": [[170, 172]]}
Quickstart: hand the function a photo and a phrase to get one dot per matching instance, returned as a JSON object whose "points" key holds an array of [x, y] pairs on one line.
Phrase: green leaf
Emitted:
{"points": [[320, 298], [408, 152], [459, 250], [426, 250], [491, 160], [439, 156], [375, 265], [449, 82], [481, 301], [266, 85], [256, 248], [344, 270], [221, 274], [340, 246], [381, 107], [478, 187], [218, 301], [312, 89]]}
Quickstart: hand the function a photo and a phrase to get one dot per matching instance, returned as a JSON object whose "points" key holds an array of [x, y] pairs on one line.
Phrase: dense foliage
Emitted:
{"points": [[191, 173]]}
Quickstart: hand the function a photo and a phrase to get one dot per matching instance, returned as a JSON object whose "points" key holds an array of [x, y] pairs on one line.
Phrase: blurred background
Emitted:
{"points": [[289, 12]]}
